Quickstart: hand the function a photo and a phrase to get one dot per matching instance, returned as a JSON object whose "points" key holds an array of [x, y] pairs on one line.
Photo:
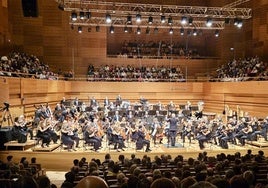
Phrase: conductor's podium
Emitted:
{"points": [[14, 145]]}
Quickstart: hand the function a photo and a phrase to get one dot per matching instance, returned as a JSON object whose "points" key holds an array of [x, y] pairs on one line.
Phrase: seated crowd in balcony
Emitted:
{"points": [[242, 70], [131, 73], [151, 49], [18, 64]]}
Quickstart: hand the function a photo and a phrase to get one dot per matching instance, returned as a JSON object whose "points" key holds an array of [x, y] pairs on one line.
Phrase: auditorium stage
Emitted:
{"points": [[60, 159]]}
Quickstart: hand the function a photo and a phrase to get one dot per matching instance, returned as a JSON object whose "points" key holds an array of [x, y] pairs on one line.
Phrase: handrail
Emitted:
{"points": [[160, 57], [92, 79]]}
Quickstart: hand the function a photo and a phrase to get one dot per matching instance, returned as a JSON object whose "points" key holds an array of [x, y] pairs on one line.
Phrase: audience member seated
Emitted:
{"points": [[18, 64], [242, 70], [92, 181], [131, 73]]}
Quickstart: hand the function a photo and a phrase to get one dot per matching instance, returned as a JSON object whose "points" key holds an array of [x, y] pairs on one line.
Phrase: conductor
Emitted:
{"points": [[173, 128]]}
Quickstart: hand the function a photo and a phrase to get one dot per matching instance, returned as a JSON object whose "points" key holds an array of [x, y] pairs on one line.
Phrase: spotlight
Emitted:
{"points": [[170, 21], [108, 18], [209, 22], [74, 16], [138, 30], [112, 29], [171, 31], [97, 28], [147, 30], [150, 20], [194, 32], [82, 15], [182, 31], [79, 29], [240, 23], [163, 19], [183, 20], [138, 18], [190, 21], [155, 30], [129, 18], [125, 29], [235, 21], [217, 33]]}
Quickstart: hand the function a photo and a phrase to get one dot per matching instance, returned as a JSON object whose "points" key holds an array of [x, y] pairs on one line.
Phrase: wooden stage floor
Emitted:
{"points": [[60, 159]]}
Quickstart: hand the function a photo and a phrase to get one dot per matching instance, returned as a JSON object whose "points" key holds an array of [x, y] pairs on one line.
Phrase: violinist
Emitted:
{"points": [[143, 139], [22, 127], [156, 130], [117, 137], [203, 135], [67, 134], [42, 132], [247, 131], [91, 138], [227, 135], [50, 124], [187, 130], [262, 130]]}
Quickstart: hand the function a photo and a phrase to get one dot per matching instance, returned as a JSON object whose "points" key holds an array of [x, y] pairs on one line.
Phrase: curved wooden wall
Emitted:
{"points": [[250, 97]]}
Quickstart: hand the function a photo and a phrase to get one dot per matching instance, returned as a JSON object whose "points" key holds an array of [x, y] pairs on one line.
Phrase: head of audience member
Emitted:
{"points": [[92, 182], [163, 183], [43, 181], [220, 182], [33, 160], [132, 181], [203, 184], [238, 181], [25, 182], [249, 177], [187, 182]]}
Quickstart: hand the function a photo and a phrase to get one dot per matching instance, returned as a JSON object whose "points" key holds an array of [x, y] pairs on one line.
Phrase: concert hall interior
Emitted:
{"points": [[134, 91]]}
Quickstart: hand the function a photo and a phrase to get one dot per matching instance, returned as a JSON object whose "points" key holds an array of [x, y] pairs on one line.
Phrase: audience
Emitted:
{"points": [[18, 64], [131, 73], [242, 70], [152, 49], [228, 171]]}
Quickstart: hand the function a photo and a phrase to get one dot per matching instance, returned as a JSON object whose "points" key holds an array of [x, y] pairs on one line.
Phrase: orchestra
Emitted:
{"points": [[140, 122]]}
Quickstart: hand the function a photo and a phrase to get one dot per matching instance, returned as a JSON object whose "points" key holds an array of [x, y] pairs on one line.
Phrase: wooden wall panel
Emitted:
{"points": [[4, 91], [251, 97]]}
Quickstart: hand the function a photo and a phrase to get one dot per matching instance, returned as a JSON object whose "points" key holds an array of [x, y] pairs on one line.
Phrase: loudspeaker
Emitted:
{"points": [[29, 8]]}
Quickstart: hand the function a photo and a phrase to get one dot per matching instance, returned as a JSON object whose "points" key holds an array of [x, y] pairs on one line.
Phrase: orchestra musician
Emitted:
{"points": [[261, 130], [42, 132], [157, 131], [106, 102], [117, 136], [50, 124], [22, 127], [117, 117], [68, 137], [143, 139], [203, 135], [91, 138], [247, 131], [227, 135], [187, 130]]}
